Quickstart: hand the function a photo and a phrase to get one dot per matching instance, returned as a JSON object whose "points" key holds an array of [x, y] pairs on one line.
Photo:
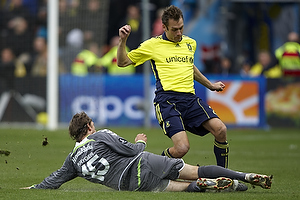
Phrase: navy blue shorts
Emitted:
{"points": [[177, 112]]}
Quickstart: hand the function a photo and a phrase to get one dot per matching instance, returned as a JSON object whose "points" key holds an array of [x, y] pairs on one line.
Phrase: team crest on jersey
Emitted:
{"points": [[167, 124], [189, 46]]}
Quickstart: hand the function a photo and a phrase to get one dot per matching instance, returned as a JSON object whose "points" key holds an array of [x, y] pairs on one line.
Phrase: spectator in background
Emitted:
{"points": [[74, 6], [15, 8], [157, 28], [133, 18], [245, 68], [226, 67], [93, 22], [261, 67], [10, 67], [20, 36], [68, 19], [14, 17], [288, 55], [7, 67], [41, 18], [9, 58], [87, 61], [40, 58], [286, 58], [109, 60], [19, 40], [74, 45]]}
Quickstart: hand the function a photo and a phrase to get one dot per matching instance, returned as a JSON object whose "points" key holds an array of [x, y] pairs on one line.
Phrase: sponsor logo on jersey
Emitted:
{"points": [[180, 59]]}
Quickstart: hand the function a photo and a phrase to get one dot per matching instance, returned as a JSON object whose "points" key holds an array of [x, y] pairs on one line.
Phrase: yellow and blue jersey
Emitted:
{"points": [[172, 62]]}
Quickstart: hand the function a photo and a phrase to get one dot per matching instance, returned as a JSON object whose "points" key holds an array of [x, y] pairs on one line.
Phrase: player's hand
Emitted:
{"points": [[218, 86], [141, 136], [124, 32], [26, 188]]}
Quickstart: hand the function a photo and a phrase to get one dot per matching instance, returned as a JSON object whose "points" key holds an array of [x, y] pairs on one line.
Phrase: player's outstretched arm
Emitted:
{"points": [[57, 178], [122, 58]]}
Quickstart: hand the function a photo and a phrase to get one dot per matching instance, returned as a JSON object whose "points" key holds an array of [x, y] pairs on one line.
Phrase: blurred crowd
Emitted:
{"points": [[88, 32], [87, 35], [284, 61]]}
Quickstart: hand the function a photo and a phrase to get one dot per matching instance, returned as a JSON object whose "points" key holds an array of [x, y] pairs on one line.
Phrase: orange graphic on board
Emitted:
{"points": [[238, 103]]}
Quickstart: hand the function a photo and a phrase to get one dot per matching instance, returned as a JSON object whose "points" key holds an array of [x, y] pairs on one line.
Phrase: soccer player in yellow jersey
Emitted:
{"points": [[177, 107]]}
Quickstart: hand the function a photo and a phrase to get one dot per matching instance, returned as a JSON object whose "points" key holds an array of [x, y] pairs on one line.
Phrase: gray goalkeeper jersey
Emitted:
{"points": [[103, 157]]}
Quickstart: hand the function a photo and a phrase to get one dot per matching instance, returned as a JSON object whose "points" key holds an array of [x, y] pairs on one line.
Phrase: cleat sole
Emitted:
{"points": [[263, 181], [215, 184]]}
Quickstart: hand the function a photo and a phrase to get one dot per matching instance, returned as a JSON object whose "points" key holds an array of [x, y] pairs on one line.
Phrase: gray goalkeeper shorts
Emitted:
{"points": [[153, 172]]}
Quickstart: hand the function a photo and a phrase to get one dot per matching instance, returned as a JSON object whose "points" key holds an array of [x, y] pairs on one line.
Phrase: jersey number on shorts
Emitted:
{"points": [[96, 167]]}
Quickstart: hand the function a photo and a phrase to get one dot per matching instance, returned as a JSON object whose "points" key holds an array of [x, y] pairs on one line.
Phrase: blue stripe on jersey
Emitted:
{"points": [[155, 72]]}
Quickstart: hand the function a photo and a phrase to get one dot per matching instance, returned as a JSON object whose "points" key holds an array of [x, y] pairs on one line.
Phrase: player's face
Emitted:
{"points": [[174, 30]]}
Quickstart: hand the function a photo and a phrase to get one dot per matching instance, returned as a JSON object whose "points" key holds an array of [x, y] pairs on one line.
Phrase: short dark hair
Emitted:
{"points": [[78, 126], [171, 12]]}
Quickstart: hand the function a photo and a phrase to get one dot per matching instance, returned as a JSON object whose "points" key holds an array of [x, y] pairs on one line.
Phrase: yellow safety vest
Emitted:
{"points": [[109, 60], [288, 56], [84, 60], [274, 72]]}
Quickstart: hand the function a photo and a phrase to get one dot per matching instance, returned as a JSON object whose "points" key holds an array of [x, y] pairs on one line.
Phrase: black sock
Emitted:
{"points": [[221, 150], [213, 171], [166, 152], [193, 187]]}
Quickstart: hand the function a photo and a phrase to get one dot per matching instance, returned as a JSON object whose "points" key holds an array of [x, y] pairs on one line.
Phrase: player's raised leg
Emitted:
{"points": [[181, 146], [221, 146]]}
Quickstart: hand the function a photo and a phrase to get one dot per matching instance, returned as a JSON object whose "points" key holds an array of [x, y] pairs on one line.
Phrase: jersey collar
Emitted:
{"points": [[164, 36], [82, 142]]}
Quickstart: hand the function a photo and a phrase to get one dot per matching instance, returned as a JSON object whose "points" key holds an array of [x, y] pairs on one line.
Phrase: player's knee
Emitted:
{"points": [[182, 149], [221, 133]]}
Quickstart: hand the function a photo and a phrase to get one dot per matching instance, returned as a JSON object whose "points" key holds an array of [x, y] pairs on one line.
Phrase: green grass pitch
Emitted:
{"points": [[274, 151]]}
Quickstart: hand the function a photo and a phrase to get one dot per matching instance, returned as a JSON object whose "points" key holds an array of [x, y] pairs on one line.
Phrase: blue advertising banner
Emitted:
{"points": [[118, 100], [108, 100]]}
